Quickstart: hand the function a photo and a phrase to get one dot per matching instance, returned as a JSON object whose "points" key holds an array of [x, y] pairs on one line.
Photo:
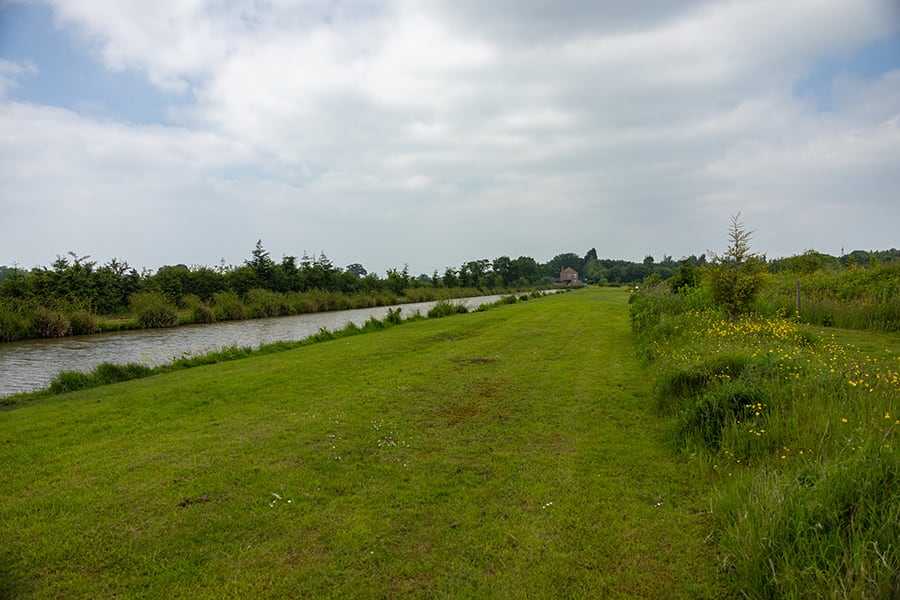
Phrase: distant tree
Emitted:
{"points": [[473, 273], [15, 284], [241, 280], [528, 271], [594, 271], [648, 261], [262, 264], [685, 276], [450, 278], [397, 281], [504, 268], [171, 280], [357, 269], [203, 282], [317, 272], [808, 262], [736, 276]]}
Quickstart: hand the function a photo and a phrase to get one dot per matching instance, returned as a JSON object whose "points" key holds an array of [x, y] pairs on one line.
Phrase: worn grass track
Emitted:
{"points": [[512, 453]]}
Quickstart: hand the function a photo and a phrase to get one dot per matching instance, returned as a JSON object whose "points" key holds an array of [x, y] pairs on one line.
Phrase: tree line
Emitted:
{"points": [[107, 289], [68, 296]]}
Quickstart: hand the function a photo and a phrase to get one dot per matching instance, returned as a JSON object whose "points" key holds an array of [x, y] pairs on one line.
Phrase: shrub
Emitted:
{"points": [[227, 307], [203, 314], [83, 323], [13, 326], [735, 278], [110, 373], [70, 381], [153, 310], [393, 316], [48, 323], [373, 324], [445, 308], [266, 303], [102, 374]]}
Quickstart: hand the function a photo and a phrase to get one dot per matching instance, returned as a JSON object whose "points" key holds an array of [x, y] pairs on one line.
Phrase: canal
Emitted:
{"points": [[32, 364]]}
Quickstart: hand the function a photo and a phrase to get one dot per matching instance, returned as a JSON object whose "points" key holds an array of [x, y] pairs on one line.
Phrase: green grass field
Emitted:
{"points": [[512, 453]]}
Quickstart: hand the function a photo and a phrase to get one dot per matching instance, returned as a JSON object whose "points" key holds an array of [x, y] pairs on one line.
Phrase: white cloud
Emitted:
{"points": [[11, 71], [449, 131]]}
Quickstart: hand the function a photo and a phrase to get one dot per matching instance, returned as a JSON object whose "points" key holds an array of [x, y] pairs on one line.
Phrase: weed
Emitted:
{"points": [[153, 310], [445, 308]]}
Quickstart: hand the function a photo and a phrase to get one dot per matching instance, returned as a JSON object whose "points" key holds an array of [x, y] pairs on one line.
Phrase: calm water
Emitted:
{"points": [[31, 365]]}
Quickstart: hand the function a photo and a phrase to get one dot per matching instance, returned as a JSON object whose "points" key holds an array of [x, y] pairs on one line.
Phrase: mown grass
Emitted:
{"points": [[510, 453], [798, 429]]}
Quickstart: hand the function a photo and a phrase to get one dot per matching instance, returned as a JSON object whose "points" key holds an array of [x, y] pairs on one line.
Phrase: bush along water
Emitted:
{"points": [[800, 435]]}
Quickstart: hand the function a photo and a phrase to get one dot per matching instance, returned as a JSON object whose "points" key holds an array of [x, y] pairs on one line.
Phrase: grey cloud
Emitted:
{"points": [[433, 133]]}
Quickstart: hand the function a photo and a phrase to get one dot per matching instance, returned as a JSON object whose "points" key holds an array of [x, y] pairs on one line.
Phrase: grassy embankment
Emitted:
{"points": [[798, 428], [507, 453]]}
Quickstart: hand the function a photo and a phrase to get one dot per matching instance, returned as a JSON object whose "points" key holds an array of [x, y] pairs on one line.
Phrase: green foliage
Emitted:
{"points": [[854, 298], [153, 310], [106, 373], [227, 306], [265, 303], [48, 323], [70, 381], [393, 316], [13, 323], [808, 262], [210, 358], [679, 386], [262, 287], [445, 308], [800, 436], [824, 530], [102, 374], [83, 323], [735, 277], [706, 419], [685, 277]]}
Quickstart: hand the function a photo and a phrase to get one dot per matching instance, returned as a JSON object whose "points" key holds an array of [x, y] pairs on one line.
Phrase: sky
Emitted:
{"points": [[434, 132]]}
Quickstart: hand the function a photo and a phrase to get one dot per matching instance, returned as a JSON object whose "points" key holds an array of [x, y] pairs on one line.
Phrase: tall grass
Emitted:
{"points": [[153, 310], [799, 433], [853, 298]]}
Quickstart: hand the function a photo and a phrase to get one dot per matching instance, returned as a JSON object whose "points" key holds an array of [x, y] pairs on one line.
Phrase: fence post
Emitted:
{"points": [[798, 297]]}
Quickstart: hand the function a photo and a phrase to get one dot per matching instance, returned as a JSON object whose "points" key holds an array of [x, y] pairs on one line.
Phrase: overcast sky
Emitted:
{"points": [[431, 132]]}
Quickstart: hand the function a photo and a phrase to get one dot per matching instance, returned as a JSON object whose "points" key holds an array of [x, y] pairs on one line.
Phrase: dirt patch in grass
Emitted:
{"points": [[475, 360]]}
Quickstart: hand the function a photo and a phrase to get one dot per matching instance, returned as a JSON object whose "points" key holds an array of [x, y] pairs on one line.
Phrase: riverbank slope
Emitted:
{"points": [[509, 453]]}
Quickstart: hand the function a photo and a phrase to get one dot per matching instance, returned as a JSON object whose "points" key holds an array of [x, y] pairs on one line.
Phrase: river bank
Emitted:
{"points": [[32, 364]]}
